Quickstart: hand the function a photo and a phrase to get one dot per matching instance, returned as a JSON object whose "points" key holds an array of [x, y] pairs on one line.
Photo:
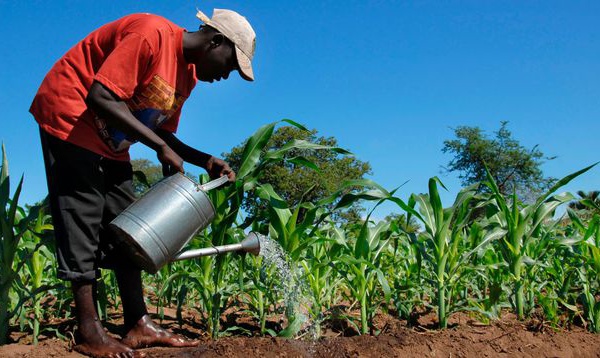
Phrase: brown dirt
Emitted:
{"points": [[466, 338]]}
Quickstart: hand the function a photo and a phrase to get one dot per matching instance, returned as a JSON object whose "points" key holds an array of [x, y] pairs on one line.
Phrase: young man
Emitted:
{"points": [[125, 82]]}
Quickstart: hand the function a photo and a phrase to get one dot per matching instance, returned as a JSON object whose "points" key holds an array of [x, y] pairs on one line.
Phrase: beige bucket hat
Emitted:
{"points": [[236, 28]]}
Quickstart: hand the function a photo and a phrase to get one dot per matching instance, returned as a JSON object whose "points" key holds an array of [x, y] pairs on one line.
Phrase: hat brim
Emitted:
{"points": [[202, 16], [245, 65]]}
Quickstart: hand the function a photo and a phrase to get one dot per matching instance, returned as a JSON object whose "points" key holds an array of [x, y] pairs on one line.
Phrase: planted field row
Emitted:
{"points": [[483, 254]]}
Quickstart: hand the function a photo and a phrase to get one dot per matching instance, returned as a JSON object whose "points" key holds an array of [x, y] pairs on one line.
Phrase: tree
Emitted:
{"points": [[297, 183], [512, 166], [146, 174], [411, 227]]}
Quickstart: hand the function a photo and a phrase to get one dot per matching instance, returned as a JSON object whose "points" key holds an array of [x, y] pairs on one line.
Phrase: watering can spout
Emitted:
{"points": [[251, 244]]}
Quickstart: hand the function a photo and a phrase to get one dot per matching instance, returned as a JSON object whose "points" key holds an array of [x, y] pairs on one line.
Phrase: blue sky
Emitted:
{"points": [[388, 79]]}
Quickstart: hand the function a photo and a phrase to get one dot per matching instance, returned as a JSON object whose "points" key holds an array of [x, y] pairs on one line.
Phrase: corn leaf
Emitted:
{"points": [[253, 148]]}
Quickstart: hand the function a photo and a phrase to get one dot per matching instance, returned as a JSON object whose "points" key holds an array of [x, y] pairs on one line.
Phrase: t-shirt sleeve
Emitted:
{"points": [[126, 66]]}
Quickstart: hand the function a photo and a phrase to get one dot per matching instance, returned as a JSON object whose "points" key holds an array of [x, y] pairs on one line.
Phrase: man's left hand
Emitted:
{"points": [[216, 168]]}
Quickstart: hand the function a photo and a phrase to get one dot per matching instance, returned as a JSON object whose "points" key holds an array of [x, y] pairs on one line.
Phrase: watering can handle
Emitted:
{"points": [[214, 184]]}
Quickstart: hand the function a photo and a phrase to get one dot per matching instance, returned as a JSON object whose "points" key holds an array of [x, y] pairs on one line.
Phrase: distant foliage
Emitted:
{"points": [[145, 175], [511, 165], [588, 203]]}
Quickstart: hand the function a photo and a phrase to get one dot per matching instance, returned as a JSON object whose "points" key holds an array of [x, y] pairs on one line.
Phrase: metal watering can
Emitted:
{"points": [[158, 225]]}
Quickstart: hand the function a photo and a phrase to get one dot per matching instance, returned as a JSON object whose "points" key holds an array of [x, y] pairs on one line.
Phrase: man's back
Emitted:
{"points": [[128, 56]]}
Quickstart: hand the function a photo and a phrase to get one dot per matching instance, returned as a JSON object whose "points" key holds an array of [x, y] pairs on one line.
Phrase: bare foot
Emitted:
{"points": [[146, 333], [94, 342]]}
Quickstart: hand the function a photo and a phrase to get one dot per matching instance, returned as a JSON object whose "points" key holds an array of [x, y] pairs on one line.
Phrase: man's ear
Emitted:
{"points": [[217, 40]]}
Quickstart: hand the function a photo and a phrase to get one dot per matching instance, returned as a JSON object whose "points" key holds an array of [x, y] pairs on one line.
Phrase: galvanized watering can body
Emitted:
{"points": [[158, 225]]}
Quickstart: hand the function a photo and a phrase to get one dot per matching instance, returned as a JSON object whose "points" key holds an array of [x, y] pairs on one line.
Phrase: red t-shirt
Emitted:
{"points": [[140, 59]]}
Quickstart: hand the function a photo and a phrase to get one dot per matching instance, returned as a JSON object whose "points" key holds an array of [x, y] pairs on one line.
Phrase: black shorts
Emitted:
{"points": [[86, 192]]}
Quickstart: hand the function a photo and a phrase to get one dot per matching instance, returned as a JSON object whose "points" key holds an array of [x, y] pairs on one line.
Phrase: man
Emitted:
{"points": [[124, 82]]}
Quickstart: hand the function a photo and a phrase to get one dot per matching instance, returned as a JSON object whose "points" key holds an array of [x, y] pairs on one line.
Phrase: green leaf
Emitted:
{"points": [[361, 249], [435, 201], [351, 198], [575, 219], [302, 145], [301, 161], [295, 124], [426, 213], [544, 210], [564, 181], [253, 148], [141, 177], [4, 181], [384, 284], [353, 184], [569, 306]]}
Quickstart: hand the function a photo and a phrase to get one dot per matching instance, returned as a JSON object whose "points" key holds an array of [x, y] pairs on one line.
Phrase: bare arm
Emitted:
{"points": [[214, 166], [186, 152], [111, 108]]}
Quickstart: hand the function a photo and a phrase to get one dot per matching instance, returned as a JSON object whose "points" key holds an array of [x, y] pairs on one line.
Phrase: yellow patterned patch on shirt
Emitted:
{"points": [[158, 94]]}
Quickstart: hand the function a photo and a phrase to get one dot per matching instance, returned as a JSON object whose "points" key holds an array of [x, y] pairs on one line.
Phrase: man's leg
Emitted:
{"points": [[141, 331], [72, 203], [132, 296], [91, 338]]}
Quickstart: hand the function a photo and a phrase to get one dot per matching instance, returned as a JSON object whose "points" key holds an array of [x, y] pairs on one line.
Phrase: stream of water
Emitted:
{"points": [[292, 286]]}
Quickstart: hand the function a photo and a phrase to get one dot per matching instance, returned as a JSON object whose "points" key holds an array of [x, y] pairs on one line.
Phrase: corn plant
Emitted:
{"points": [[259, 293], [555, 280], [290, 229], [589, 272], [444, 238], [38, 259], [562, 272], [590, 303], [191, 283], [522, 226], [589, 276], [406, 272], [358, 265], [13, 227], [486, 280], [108, 293], [321, 277], [294, 238], [197, 277], [227, 202]]}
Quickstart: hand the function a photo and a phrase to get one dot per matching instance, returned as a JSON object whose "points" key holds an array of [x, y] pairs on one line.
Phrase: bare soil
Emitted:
{"points": [[466, 337]]}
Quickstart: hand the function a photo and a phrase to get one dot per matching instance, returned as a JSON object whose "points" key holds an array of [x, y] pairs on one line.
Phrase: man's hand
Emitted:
{"points": [[216, 168], [171, 161]]}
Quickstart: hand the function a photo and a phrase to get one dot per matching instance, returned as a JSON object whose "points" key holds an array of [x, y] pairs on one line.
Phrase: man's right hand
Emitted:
{"points": [[171, 161], [218, 167]]}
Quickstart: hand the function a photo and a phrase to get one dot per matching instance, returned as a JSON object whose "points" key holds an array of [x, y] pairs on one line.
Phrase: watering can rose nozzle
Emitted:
{"points": [[251, 244]]}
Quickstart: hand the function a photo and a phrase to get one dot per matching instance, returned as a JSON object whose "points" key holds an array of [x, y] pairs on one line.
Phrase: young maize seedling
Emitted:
{"points": [[522, 225]]}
